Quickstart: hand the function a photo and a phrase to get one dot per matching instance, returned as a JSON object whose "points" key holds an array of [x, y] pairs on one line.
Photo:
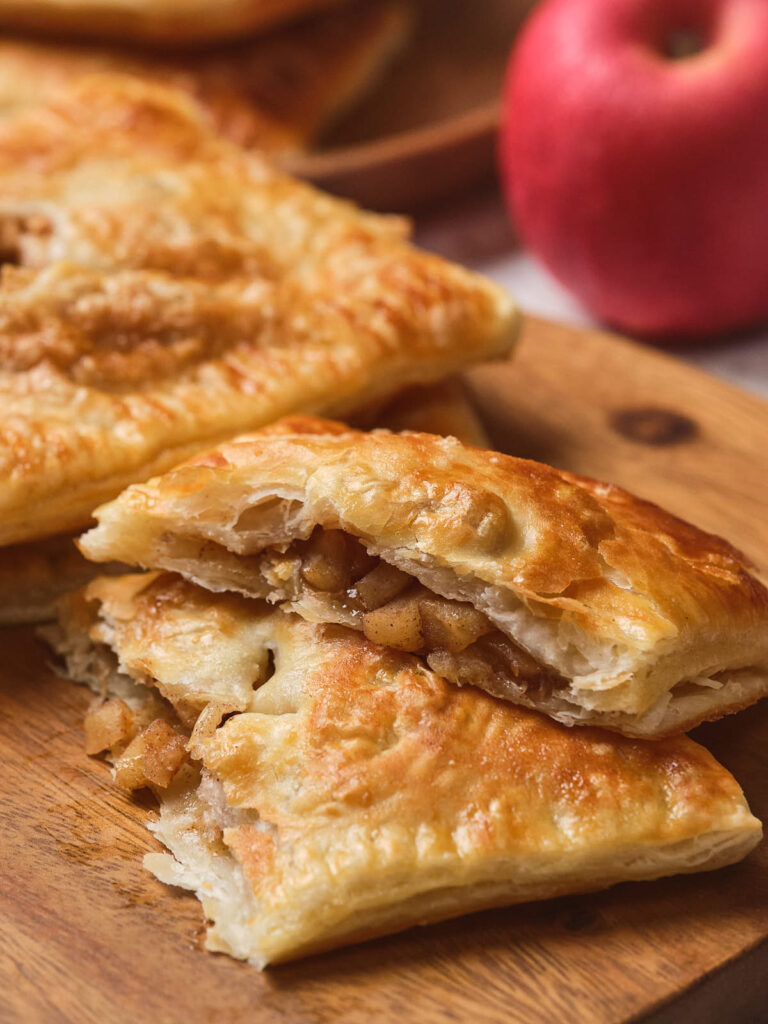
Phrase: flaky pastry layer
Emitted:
{"points": [[341, 790], [646, 624]]}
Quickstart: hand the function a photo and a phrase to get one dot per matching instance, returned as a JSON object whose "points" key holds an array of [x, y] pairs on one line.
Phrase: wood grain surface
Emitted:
{"points": [[87, 936]]}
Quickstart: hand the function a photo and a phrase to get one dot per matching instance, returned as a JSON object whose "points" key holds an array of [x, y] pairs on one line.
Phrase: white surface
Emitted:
{"points": [[475, 233]]}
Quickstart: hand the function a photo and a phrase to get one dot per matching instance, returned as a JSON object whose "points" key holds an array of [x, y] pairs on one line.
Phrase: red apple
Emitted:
{"points": [[634, 153]]}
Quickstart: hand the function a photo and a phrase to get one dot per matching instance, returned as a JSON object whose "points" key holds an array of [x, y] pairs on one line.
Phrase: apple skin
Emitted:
{"points": [[641, 181]]}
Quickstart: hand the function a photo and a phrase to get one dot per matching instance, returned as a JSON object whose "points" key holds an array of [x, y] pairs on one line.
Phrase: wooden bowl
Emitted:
{"points": [[428, 129]]}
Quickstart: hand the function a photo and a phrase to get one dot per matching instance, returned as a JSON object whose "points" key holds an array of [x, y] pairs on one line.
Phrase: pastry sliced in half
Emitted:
{"points": [[171, 290], [339, 790], [553, 591], [275, 92]]}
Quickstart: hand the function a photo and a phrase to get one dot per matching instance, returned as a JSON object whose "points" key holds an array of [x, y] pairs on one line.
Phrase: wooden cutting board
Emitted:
{"points": [[86, 935]]}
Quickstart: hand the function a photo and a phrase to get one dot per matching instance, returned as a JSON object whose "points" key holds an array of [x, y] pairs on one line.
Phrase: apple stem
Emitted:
{"points": [[684, 43]]}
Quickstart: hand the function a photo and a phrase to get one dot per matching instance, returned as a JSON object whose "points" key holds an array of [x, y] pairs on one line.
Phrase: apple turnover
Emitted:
{"points": [[276, 92], [171, 290], [332, 789], [553, 591]]}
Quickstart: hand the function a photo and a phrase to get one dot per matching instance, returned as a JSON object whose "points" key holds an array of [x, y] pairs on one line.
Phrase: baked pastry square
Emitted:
{"points": [[165, 23], [173, 290], [550, 590], [340, 790], [276, 92]]}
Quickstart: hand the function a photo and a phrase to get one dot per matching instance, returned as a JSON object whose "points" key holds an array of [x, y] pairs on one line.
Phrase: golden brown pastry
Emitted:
{"points": [[275, 92], [165, 23], [340, 790], [172, 290], [553, 591]]}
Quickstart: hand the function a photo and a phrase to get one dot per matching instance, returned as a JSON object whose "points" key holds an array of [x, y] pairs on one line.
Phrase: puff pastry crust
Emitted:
{"points": [[341, 795], [275, 92], [594, 606], [173, 290], [154, 22]]}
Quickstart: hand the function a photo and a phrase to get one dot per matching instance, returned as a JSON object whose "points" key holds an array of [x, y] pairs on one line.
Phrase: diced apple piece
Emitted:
{"points": [[381, 585], [516, 661], [360, 562], [152, 757], [326, 561], [397, 624], [106, 725], [450, 625]]}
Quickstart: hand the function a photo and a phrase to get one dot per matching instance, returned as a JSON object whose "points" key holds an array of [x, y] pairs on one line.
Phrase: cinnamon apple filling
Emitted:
{"points": [[332, 576], [142, 755]]}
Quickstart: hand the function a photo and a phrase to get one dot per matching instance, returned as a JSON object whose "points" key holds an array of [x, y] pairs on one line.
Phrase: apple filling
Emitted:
{"points": [[108, 725], [143, 756], [152, 758], [333, 577]]}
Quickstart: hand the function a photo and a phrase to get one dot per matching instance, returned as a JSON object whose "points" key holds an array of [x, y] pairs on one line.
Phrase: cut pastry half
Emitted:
{"points": [[337, 790], [276, 92], [171, 290], [550, 590]]}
